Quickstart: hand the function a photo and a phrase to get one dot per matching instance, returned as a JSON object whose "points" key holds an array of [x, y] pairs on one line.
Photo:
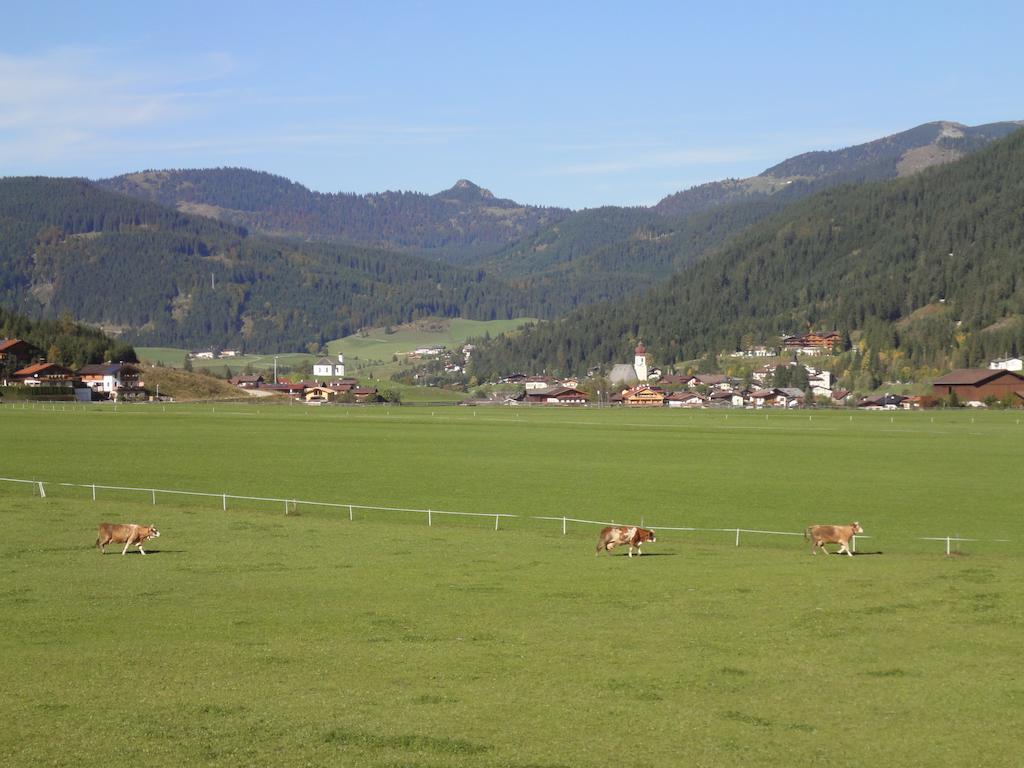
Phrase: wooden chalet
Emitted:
{"points": [[17, 352], [644, 397], [813, 342], [44, 374], [975, 385]]}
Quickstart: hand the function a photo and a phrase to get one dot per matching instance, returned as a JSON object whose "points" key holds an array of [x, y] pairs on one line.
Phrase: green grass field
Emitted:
{"points": [[249, 637]]}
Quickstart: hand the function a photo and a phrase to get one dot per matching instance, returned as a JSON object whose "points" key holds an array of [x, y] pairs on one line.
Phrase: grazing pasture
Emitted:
{"points": [[248, 637]]}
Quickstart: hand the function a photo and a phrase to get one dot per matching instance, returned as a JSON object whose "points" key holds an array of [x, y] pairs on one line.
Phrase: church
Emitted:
{"points": [[626, 375]]}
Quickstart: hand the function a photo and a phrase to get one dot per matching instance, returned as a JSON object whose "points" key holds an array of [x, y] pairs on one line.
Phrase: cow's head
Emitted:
{"points": [[646, 535], [856, 528], [150, 532]]}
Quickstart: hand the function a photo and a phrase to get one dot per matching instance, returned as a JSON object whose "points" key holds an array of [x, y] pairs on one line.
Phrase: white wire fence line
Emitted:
{"points": [[292, 505]]}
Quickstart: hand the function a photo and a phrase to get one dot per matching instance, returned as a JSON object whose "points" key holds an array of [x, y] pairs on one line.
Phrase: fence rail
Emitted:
{"points": [[291, 504]]}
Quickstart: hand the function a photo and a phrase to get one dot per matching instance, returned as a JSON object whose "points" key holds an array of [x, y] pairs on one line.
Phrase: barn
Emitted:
{"points": [[979, 384]]}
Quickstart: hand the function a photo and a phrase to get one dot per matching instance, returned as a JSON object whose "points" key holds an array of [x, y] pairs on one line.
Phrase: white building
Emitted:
{"points": [[327, 368], [1007, 364]]}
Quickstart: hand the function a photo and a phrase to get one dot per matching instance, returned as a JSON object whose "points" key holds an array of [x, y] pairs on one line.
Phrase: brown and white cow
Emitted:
{"points": [[129, 533], [614, 535], [820, 535]]}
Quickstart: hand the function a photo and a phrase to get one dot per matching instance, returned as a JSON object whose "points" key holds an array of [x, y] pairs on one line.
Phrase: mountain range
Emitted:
{"points": [[244, 258]]}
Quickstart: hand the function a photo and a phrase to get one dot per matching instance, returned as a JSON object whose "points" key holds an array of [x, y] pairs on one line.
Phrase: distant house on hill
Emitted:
{"points": [[812, 343], [975, 385], [327, 368], [538, 383]]}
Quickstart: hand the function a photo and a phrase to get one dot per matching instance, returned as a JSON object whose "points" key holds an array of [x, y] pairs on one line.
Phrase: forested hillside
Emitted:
{"points": [[167, 278], [607, 253], [927, 270], [564, 260], [455, 226]]}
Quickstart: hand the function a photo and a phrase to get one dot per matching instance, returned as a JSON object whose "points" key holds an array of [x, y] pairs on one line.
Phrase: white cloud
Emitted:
{"points": [[55, 104]]}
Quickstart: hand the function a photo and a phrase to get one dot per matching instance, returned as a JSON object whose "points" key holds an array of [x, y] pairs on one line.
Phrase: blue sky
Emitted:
{"points": [[570, 104]]}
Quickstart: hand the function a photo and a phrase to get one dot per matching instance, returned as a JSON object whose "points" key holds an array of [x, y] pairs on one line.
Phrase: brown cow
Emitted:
{"points": [[129, 533], [820, 535], [614, 535]]}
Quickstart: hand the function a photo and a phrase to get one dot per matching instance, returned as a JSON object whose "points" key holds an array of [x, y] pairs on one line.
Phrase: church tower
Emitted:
{"points": [[640, 362]]}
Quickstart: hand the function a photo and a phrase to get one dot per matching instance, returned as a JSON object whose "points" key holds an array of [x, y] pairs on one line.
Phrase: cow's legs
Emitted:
{"points": [[139, 545], [127, 544]]}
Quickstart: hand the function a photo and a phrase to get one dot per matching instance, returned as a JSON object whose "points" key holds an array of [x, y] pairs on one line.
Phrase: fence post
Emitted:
{"points": [[563, 525], [286, 506], [42, 491], [94, 491], [496, 518], [225, 502], [430, 519], [854, 542], [154, 496], [349, 511], [737, 537], [947, 546]]}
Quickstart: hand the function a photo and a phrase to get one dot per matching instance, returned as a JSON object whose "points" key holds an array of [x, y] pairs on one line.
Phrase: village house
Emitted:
{"points": [[685, 400], [776, 397], [812, 343], [820, 383], [886, 402], [327, 368], [1007, 364], [44, 374], [975, 385], [109, 378], [17, 352], [763, 374], [643, 397], [722, 398], [247, 382], [537, 383], [557, 395]]}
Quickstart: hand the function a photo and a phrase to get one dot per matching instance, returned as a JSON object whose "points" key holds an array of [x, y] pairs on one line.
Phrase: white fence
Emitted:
{"points": [[290, 505]]}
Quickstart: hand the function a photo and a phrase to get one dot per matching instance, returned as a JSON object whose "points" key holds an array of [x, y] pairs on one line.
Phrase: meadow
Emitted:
{"points": [[248, 637]]}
